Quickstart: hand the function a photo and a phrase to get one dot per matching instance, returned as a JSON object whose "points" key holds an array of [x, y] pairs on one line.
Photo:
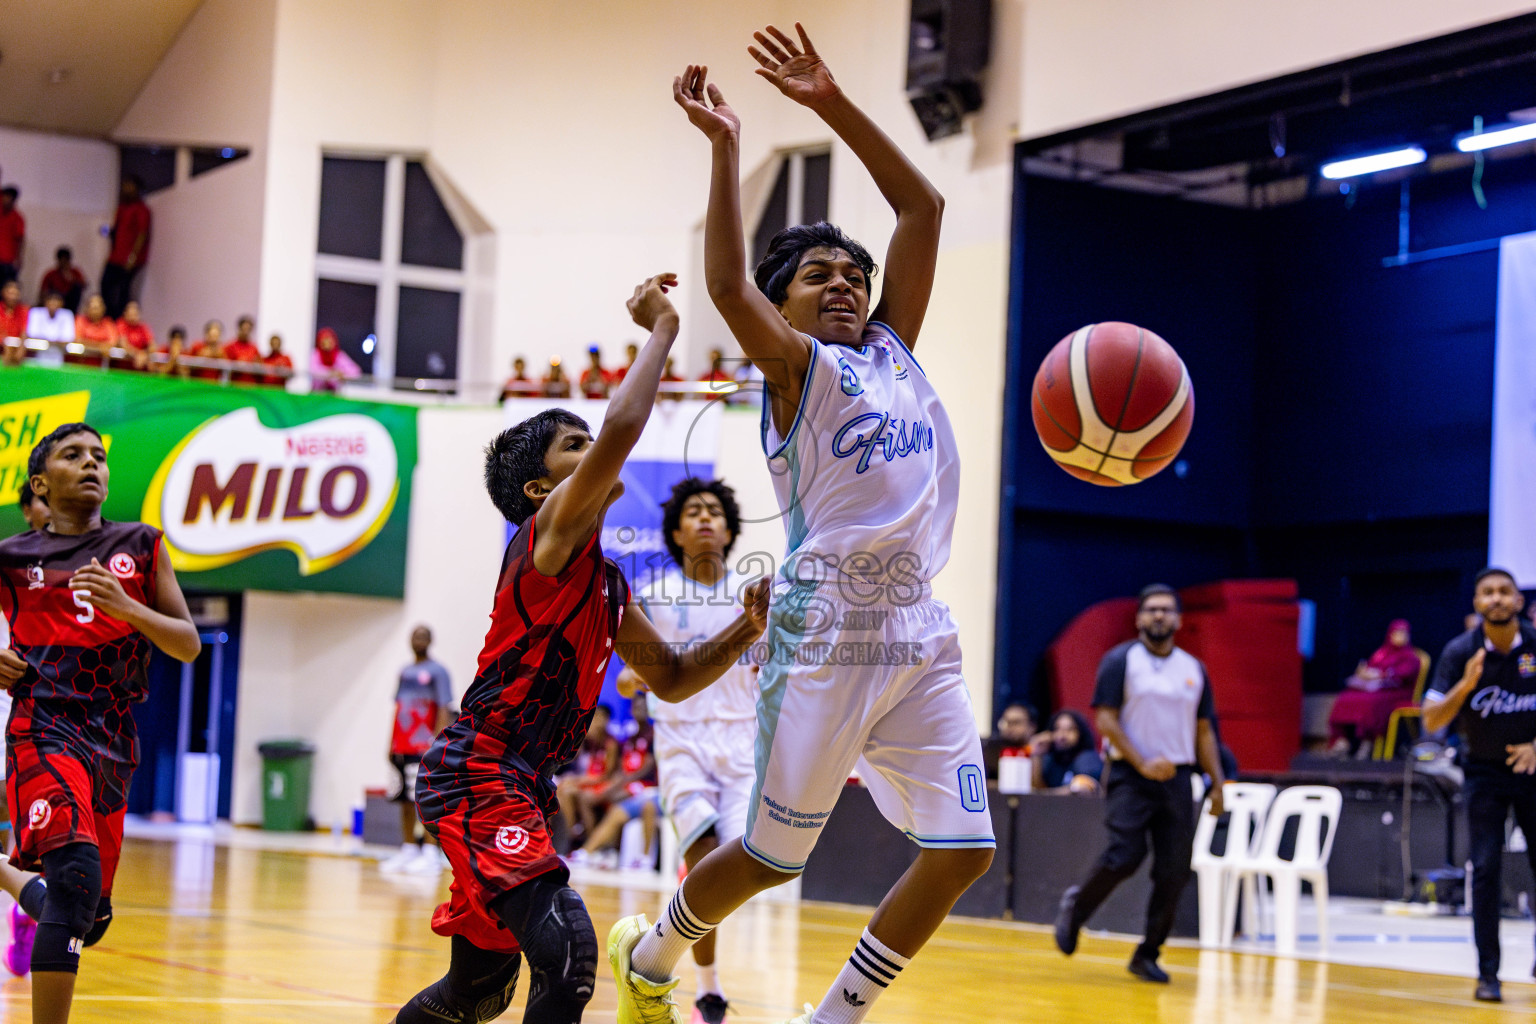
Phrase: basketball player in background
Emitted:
{"points": [[866, 467], [561, 608], [703, 744], [87, 600], [422, 696]]}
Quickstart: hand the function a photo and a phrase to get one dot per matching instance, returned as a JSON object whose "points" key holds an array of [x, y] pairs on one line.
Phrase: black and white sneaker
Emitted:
{"points": [[709, 1008]]}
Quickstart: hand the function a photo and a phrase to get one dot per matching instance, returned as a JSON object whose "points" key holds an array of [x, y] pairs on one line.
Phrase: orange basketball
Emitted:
{"points": [[1113, 404]]}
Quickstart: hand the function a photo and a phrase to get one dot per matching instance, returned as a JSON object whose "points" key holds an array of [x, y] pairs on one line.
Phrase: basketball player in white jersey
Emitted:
{"points": [[863, 666], [703, 744]]}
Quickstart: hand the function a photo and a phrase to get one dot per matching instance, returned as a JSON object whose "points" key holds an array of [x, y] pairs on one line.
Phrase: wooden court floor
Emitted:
{"points": [[218, 934]]}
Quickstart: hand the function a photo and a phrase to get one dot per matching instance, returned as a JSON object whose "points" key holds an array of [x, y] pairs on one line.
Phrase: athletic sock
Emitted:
{"points": [[872, 966], [656, 955], [709, 980]]}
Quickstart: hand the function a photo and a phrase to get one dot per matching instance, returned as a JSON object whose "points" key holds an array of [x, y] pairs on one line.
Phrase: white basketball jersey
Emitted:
{"points": [[868, 477], [686, 612]]}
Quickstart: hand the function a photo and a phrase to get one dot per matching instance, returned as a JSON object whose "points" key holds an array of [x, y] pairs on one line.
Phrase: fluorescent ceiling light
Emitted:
{"points": [[1507, 135], [1355, 166]]}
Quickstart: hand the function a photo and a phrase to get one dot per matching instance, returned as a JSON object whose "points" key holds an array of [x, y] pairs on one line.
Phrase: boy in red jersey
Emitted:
{"points": [[87, 599], [561, 610]]}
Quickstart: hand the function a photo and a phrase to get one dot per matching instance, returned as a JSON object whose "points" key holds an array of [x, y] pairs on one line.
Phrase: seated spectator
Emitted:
{"points": [[51, 322], [210, 346], [65, 278], [594, 767], [716, 374], [95, 330], [13, 322], [520, 385], [1381, 684], [632, 786], [13, 234], [645, 805], [556, 384], [1065, 759], [175, 348], [669, 376], [595, 381], [244, 350], [276, 361], [1015, 729], [631, 353], [329, 366], [134, 335]]}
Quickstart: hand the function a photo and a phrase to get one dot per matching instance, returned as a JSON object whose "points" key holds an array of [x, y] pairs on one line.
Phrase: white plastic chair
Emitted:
{"points": [[1316, 809], [1246, 804]]}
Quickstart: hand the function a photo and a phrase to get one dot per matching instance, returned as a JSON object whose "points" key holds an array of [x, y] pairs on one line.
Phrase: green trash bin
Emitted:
{"points": [[285, 772]]}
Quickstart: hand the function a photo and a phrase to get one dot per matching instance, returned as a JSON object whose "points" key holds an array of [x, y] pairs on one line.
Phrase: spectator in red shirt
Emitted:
{"points": [[13, 234], [65, 279], [130, 246], [669, 376], [13, 322], [595, 381], [210, 347], [244, 350], [134, 335], [631, 353], [277, 361], [175, 348], [520, 385], [716, 375], [556, 383], [95, 330]]}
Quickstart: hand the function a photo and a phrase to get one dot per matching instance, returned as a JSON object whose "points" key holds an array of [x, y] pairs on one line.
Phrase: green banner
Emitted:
{"points": [[256, 489]]}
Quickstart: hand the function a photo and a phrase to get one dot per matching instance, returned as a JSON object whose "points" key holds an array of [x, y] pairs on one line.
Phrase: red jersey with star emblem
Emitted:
{"points": [[541, 671]]}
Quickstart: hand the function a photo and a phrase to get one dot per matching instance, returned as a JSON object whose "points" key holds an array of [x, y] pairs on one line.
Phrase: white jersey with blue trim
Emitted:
{"points": [[868, 476], [686, 612]]}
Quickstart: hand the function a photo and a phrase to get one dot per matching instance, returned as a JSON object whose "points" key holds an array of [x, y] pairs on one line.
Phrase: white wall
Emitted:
{"points": [[212, 88], [68, 191]]}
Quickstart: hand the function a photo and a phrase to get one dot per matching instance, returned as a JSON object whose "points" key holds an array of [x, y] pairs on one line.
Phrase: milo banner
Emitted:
{"points": [[255, 489]]}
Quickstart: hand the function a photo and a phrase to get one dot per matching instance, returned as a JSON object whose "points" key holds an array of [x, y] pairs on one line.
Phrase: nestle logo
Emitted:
{"points": [[328, 445]]}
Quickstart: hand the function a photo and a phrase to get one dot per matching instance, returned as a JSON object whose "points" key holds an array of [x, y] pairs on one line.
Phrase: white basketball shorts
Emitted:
{"points": [[706, 770], [875, 686]]}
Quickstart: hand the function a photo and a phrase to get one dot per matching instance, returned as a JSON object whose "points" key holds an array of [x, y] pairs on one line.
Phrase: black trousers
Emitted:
{"points": [[1137, 810], [117, 287], [1491, 793]]}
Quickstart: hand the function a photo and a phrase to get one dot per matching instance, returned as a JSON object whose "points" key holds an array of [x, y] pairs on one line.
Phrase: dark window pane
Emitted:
{"points": [[816, 198], [775, 215], [155, 165], [349, 309], [352, 207], [428, 236], [205, 160], [427, 342]]}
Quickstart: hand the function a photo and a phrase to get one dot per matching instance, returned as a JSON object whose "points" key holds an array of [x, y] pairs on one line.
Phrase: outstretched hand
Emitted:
{"points": [[796, 71], [704, 103], [650, 304]]}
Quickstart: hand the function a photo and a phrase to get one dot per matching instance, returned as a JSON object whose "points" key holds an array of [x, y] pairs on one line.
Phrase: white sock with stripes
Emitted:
{"points": [[656, 954], [868, 971]]}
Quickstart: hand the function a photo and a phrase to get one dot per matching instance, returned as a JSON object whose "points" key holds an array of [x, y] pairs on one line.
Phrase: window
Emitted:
{"points": [[154, 165], [391, 267], [211, 159], [801, 194]]}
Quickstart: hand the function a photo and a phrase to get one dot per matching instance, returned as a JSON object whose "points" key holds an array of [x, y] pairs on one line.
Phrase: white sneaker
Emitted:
{"points": [[430, 861], [397, 863]]}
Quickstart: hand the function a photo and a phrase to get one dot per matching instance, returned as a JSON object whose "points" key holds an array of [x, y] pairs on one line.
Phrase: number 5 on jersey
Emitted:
{"points": [[83, 599]]}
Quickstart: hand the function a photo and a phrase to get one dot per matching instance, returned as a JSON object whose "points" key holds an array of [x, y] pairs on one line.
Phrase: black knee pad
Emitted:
{"points": [[551, 923], [478, 988], [73, 874], [103, 921]]}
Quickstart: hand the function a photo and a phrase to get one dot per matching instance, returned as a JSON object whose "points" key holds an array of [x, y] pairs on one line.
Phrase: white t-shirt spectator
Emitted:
{"points": [[58, 326]]}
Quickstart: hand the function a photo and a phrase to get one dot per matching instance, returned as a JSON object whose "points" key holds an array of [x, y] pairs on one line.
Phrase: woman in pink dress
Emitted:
{"points": [[1381, 684], [328, 364]]}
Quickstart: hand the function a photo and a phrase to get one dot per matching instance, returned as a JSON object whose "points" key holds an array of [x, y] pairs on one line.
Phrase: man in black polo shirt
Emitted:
{"points": [[1486, 683], [1153, 703]]}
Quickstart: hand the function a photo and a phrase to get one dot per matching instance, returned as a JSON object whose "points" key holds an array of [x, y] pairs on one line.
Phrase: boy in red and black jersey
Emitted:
{"points": [[86, 600], [561, 611]]}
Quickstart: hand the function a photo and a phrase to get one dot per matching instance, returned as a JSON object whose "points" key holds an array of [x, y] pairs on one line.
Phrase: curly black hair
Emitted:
{"points": [[672, 511], [38, 460], [516, 456], [789, 246]]}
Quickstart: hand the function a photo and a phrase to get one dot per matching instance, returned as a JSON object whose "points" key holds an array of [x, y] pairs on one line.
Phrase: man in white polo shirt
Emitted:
{"points": [[1153, 704]]}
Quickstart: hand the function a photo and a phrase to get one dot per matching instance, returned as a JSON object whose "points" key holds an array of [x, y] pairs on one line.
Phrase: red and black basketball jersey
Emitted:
{"points": [[74, 652], [541, 670]]}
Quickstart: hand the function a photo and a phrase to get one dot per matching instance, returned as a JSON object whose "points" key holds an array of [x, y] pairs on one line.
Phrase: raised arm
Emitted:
{"points": [[799, 73], [1441, 711], [778, 350], [674, 675], [573, 508]]}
